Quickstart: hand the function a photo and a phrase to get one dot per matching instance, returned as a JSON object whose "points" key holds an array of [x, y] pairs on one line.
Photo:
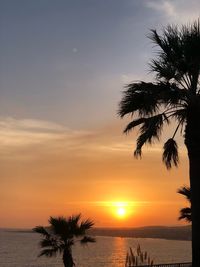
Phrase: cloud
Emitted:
{"points": [[36, 137], [18, 133], [28, 139], [165, 7], [176, 11], [25, 124]]}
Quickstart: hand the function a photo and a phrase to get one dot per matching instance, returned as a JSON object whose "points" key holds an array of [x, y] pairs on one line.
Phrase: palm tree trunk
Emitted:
{"points": [[192, 141], [195, 187], [67, 258]]}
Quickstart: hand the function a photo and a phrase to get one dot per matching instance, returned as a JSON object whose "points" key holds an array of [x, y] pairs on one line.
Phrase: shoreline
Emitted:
{"points": [[181, 233]]}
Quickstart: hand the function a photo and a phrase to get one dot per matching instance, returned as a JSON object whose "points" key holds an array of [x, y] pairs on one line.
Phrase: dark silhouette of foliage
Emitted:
{"points": [[174, 96], [138, 258], [185, 213], [61, 234]]}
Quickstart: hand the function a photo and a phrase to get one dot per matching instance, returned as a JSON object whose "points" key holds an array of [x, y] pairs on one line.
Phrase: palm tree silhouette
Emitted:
{"points": [[174, 96], [185, 213], [61, 235]]}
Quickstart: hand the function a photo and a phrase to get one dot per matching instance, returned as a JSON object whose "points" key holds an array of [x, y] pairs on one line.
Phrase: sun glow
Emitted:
{"points": [[121, 209], [121, 212]]}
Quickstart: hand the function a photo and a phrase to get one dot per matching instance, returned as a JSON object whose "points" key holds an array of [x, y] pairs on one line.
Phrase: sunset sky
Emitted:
{"points": [[63, 65]]}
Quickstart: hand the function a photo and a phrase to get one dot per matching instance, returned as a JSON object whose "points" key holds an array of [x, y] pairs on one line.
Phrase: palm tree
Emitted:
{"points": [[185, 213], [61, 235], [173, 96]]}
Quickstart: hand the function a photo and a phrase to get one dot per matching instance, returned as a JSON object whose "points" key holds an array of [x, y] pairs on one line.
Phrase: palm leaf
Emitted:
{"points": [[84, 226], [139, 97], [48, 252], [180, 115], [41, 230], [87, 239], [133, 124], [59, 226], [170, 153], [179, 55], [186, 214], [148, 98], [73, 222], [185, 191], [150, 130], [46, 242], [50, 242]]}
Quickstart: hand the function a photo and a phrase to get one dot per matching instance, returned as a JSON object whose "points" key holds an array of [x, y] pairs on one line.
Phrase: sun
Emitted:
{"points": [[121, 212], [121, 209]]}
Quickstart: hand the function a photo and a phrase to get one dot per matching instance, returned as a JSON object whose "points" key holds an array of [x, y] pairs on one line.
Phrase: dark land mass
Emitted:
{"points": [[163, 232]]}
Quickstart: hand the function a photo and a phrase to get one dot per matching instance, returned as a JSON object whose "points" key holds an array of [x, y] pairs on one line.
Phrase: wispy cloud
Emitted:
{"points": [[176, 11], [46, 136], [165, 7], [19, 132], [29, 138], [26, 124]]}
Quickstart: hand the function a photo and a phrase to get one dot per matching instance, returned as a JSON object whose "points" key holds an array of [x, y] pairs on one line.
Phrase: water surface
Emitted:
{"points": [[19, 249]]}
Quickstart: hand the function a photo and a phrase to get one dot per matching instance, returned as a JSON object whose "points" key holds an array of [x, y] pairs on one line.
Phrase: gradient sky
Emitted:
{"points": [[63, 67]]}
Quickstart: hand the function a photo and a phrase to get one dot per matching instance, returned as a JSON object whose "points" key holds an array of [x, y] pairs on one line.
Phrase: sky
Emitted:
{"points": [[63, 66]]}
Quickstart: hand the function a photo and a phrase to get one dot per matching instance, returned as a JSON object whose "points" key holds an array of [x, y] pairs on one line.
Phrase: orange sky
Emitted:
{"points": [[48, 169], [63, 67]]}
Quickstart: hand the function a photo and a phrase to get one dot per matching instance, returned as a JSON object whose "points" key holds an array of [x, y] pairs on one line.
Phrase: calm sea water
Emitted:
{"points": [[18, 249]]}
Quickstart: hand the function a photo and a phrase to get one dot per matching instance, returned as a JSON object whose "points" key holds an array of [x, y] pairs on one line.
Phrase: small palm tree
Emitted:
{"points": [[185, 213], [61, 235]]}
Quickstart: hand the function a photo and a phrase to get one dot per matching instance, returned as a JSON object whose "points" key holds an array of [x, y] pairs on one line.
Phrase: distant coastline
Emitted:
{"points": [[160, 232]]}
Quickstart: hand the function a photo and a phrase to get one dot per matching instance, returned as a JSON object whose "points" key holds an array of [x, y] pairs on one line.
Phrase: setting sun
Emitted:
{"points": [[121, 209], [121, 212]]}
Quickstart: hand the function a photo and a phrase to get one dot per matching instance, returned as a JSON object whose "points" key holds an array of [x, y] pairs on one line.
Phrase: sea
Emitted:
{"points": [[20, 249]]}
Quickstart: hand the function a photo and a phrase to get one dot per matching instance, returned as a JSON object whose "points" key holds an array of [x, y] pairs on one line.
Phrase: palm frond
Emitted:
{"points": [[41, 230], [162, 69], [180, 115], [151, 129], [73, 222], [75, 226], [46, 242], [48, 252], [170, 153], [172, 95], [185, 214], [179, 55], [133, 124], [59, 226], [52, 242], [147, 98], [185, 191], [87, 239], [139, 97], [85, 225]]}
